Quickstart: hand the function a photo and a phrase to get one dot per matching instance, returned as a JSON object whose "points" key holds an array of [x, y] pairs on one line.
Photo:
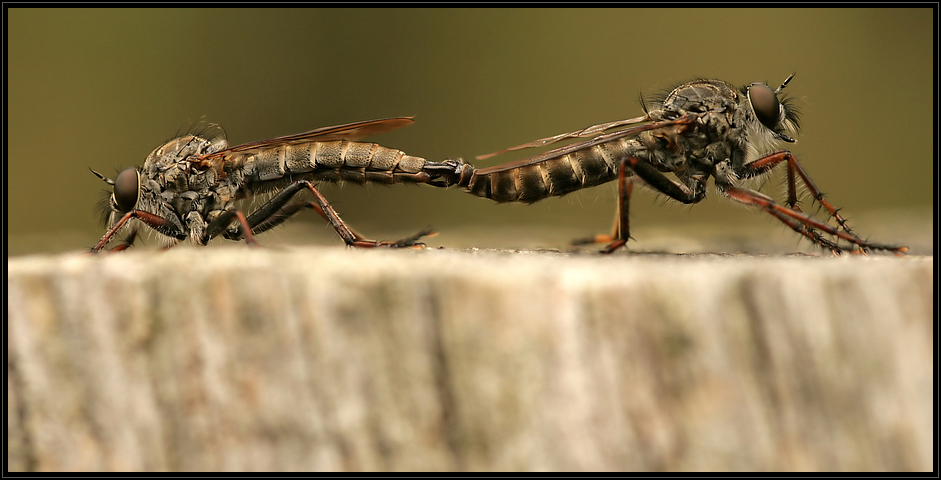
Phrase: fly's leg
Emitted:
{"points": [[794, 169], [766, 164], [658, 181], [128, 241], [803, 223], [287, 212], [274, 213], [655, 179], [621, 231], [622, 226], [222, 222], [160, 224], [796, 220]]}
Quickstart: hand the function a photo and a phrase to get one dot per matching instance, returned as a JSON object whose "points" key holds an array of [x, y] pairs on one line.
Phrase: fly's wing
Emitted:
{"points": [[349, 131], [598, 140], [585, 132]]}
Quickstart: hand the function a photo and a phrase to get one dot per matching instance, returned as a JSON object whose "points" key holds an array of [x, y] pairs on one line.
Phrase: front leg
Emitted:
{"points": [[128, 241], [805, 224], [795, 170], [158, 223]]}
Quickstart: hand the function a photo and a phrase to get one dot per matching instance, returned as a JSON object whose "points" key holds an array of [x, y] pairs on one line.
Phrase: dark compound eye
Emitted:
{"points": [[126, 188], [765, 104]]}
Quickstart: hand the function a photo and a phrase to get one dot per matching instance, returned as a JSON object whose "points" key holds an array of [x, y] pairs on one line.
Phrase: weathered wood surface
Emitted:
{"points": [[334, 359]]}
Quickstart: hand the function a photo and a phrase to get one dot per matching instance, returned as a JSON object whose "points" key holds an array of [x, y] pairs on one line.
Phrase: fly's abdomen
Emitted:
{"points": [[552, 177], [335, 161]]}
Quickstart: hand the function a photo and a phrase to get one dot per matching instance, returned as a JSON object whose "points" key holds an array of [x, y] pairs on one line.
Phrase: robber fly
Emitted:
{"points": [[701, 129], [188, 187]]}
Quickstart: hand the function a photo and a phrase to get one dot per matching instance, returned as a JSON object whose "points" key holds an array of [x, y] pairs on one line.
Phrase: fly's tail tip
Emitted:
{"points": [[452, 171]]}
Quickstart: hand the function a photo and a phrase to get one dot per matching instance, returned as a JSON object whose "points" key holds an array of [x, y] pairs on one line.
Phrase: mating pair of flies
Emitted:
{"points": [[704, 128]]}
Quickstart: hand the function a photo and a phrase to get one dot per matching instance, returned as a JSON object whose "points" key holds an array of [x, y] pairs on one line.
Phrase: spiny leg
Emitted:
{"points": [[287, 212], [128, 241], [799, 222], [274, 212], [794, 169], [764, 165], [692, 193], [161, 225]]}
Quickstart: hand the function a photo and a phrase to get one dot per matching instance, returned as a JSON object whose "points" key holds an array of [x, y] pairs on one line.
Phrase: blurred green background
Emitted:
{"points": [[101, 88]]}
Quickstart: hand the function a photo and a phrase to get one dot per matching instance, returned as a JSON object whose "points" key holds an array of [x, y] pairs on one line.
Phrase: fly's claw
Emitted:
{"points": [[407, 242], [412, 241]]}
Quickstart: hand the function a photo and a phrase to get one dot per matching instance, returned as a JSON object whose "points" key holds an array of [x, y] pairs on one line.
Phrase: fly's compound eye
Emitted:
{"points": [[765, 104], [126, 189]]}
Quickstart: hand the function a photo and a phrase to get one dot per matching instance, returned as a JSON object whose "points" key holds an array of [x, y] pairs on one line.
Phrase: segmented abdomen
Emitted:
{"points": [[331, 161], [543, 179]]}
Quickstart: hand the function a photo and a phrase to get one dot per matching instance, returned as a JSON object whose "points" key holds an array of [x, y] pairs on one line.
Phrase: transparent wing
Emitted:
{"points": [[598, 140], [585, 132], [349, 131]]}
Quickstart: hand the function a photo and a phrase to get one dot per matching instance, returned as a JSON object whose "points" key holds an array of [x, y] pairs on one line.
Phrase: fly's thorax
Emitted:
{"points": [[697, 96], [671, 148], [716, 105], [179, 180], [170, 167], [179, 149]]}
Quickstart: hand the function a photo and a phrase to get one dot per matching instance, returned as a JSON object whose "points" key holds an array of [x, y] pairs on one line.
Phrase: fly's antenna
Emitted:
{"points": [[104, 178], [788, 79]]}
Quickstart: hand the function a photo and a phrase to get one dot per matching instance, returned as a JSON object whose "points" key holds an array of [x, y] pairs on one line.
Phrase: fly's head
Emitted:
{"points": [[769, 119], [135, 192], [124, 197], [132, 190], [169, 182]]}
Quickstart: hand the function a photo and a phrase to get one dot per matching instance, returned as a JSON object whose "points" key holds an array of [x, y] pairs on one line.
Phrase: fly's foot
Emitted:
{"points": [[412, 241], [614, 245], [898, 250], [611, 242], [407, 242], [594, 239]]}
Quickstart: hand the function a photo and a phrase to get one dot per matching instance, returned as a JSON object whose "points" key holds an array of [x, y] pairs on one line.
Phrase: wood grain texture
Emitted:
{"points": [[332, 359]]}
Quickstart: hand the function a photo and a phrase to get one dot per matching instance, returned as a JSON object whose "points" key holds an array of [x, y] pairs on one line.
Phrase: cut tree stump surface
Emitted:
{"points": [[326, 358]]}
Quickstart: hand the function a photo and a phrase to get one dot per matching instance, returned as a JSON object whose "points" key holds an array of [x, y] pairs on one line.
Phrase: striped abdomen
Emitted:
{"points": [[330, 161], [532, 180]]}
